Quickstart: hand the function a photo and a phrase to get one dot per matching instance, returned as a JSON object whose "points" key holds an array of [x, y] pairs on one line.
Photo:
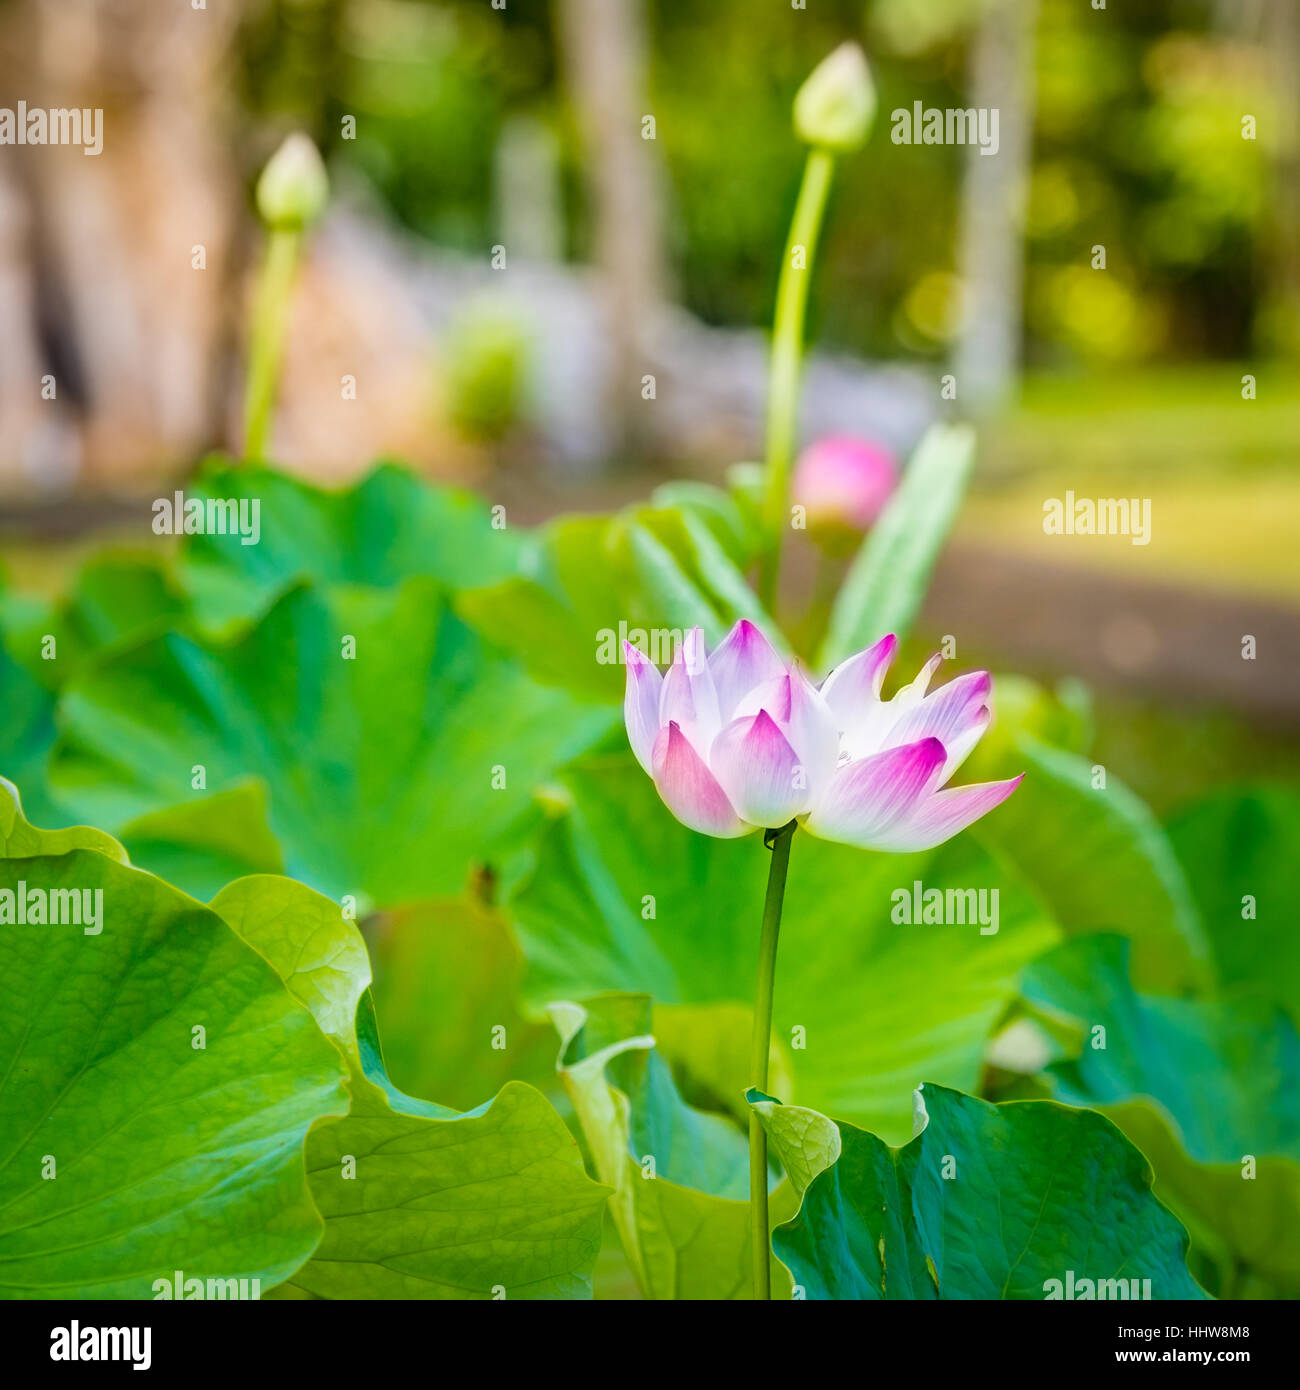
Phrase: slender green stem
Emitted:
{"points": [[787, 356], [778, 841], [274, 287]]}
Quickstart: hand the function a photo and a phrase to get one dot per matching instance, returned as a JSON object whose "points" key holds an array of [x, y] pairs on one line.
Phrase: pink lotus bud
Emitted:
{"points": [[739, 740], [843, 481]]}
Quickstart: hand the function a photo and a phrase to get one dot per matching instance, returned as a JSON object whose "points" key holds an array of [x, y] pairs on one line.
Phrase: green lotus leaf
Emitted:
{"points": [[682, 575], [1025, 1200], [26, 734], [1210, 1091], [19, 839], [552, 619], [646, 573], [680, 1176], [707, 1047], [1239, 850], [1098, 858], [396, 749], [115, 598], [805, 1142], [209, 842], [376, 533], [625, 898], [418, 1200], [1061, 717], [158, 1084], [447, 985], [735, 526]]}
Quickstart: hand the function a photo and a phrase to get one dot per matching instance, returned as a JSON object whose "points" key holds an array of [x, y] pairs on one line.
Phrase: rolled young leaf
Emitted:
{"points": [[679, 1175]]}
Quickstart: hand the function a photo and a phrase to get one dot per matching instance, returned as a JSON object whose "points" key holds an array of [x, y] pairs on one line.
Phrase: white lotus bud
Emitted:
{"points": [[835, 106], [294, 187]]}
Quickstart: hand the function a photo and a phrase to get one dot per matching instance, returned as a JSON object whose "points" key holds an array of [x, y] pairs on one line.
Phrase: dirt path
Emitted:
{"points": [[1119, 633]]}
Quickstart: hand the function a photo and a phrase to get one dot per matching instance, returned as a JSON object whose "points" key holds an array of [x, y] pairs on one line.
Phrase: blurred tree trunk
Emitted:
{"points": [[34, 435], [604, 48], [994, 191], [1275, 26], [98, 277], [1282, 39], [528, 192]]}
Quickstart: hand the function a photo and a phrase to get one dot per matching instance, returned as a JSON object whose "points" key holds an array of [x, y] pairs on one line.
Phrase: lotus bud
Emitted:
{"points": [[843, 482], [835, 106], [294, 187]]}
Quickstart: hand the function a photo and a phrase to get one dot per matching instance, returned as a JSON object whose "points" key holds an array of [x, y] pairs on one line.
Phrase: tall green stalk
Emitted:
{"points": [[270, 309], [787, 359], [291, 194], [778, 841]]}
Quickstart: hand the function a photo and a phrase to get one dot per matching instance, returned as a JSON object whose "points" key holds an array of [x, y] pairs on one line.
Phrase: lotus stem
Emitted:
{"points": [[274, 288], [778, 841], [787, 358]]}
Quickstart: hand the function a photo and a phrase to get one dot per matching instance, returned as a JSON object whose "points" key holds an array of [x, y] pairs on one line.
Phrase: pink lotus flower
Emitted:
{"points": [[739, 740], [844, 481]]}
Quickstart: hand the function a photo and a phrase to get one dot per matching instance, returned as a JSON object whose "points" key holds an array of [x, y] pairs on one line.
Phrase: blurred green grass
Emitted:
{"points": [[1189, 417], [1220, 472]]}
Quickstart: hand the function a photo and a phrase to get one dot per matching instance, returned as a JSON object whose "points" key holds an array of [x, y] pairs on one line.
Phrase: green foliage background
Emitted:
{"points": [[487, 925], [409, 986], [1137, 133]]}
